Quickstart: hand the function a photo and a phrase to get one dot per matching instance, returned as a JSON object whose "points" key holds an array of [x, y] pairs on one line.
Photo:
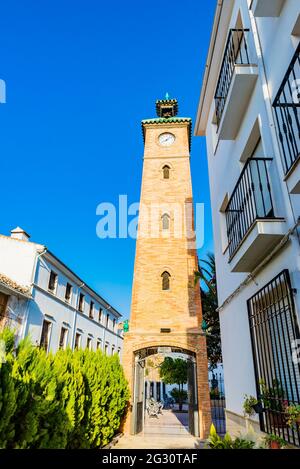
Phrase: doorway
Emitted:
{"points": [[157, 409]]}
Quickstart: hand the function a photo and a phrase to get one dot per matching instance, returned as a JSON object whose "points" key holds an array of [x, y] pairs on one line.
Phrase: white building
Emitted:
{"points": [[249, 112], [41, 297]]}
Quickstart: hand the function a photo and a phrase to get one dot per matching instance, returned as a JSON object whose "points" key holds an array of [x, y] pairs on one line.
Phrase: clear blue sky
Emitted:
{"points": [[80, 75]]}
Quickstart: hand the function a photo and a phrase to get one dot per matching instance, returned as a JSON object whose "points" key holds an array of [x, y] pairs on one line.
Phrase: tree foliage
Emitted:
{"points": [[206, 276], [74, 399], [173, 371]]}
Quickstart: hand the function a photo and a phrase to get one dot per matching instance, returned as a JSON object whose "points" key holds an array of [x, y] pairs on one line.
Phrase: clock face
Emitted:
{"points": [[166, 139]]}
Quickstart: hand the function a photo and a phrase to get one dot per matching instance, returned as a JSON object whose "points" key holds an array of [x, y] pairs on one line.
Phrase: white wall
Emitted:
{"points": [[17, 260], [54, 308], [20, 262]]}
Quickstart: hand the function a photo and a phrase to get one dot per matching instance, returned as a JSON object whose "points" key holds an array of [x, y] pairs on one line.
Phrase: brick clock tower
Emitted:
{"points": [[166, 312]]}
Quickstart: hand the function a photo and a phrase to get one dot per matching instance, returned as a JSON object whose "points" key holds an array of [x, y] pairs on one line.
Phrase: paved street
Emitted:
{"points": [[169, 431], [158, 442]]}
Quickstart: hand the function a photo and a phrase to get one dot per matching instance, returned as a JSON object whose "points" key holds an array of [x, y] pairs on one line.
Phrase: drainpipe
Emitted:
{"points": [[24, 327], [105, 328], [75, 317], [251, 276]]}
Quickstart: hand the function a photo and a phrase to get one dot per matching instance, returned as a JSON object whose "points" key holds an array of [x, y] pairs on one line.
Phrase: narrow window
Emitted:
{"points": [[114, 325], [81, 302], [165, 221], [106, 348], [89, 343], [112, 349], [77, 340], [52, 281], [45, 335], [99, 344], [165, 281], [91, 313], [3, 304], [100, 315], [166, 172], [63, 338], [107, 320], [68, 294]]}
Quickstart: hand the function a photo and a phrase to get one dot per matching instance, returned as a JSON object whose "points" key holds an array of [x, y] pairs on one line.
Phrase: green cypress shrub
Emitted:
{"points": [[73, 399], [8, 392]]}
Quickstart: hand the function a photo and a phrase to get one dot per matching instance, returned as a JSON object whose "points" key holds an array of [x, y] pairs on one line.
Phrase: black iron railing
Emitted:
{"points": [[287, 109], [217, 402], [275, 336], [236, 53], [251, 200]]}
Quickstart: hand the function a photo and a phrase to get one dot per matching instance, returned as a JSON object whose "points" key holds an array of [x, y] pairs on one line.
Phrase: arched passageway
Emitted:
{"points": [[154, 410]]}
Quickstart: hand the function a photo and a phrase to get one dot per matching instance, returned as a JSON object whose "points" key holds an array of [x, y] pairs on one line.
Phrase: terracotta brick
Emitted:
{"points": [[180, 307]]}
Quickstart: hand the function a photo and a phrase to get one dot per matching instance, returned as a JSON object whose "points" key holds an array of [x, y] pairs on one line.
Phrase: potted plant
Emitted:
{"points": [[292, 413], [274, 403], [227, 442], [274, 441], [214, 394], [252, 406]]}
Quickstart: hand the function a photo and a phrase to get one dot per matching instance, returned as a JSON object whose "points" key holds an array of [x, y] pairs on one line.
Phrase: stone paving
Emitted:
{"points": [[169, 431], [158, 442]]}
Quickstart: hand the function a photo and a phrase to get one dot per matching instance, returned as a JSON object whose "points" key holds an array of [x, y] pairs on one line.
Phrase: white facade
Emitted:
{"points": [[93, 324], [240, 125]]}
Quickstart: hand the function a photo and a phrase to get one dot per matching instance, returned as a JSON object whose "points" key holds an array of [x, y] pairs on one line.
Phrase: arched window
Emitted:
{"points": [[166, 172], [165, 280], [165, 221]]}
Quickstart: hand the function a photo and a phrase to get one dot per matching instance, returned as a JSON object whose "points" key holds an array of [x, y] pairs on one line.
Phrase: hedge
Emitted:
{"points": [[73, 399]]}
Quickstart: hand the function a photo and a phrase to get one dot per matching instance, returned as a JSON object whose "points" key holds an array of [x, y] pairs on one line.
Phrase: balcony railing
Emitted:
{"points": [[251, 200], [287, 109], [236, 53]]}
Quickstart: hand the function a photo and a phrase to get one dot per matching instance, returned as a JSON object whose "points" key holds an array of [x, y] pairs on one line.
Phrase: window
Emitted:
{"points": [[63, 338], [45, 337], [81, 302], [100, 315], [114, 325], [119, 352], [91, 313], [3, 303], [77, 340], [112, 349], [166, 281], [99, 342], [52, 282], [89, 343], [166, 172], [106, 348], [274, 330], [107, 320], [165, 221], [68, 294]]}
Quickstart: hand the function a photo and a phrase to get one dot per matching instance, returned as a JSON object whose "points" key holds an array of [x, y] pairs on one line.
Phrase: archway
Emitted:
{"points": [[173, 420]]}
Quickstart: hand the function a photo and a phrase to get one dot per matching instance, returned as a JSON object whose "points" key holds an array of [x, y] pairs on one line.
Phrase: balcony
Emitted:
{"points": [[287, 110], [235, 85], [252, 228], [267, 8]]}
